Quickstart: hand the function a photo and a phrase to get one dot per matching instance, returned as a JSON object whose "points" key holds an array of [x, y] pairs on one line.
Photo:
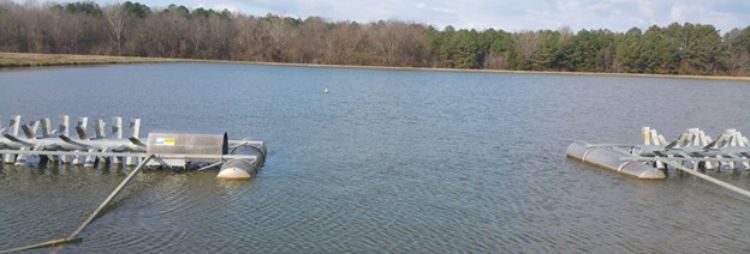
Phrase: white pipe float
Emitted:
{"points": [[612, 158], [649, 161], [242, 168]]}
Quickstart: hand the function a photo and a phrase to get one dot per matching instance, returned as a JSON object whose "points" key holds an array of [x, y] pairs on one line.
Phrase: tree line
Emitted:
{"points": [[135, 29]]}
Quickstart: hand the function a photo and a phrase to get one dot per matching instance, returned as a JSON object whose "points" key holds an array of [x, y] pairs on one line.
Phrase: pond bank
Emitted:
{"points": [[19, 60], [15, 60]]}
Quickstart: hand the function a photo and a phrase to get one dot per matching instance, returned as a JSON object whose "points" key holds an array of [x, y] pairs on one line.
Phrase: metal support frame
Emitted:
{"points": [[19, 141]]}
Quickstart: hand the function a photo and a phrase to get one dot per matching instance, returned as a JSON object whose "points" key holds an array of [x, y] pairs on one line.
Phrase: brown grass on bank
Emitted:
{"points": [[34, 60], [10, 60]]}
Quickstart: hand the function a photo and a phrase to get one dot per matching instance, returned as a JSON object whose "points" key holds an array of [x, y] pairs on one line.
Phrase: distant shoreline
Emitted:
{"points": [[30, 60], [26, 60]]}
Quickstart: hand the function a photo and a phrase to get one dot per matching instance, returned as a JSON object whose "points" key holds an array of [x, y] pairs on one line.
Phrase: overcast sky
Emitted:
{"points": [[618, 15]]}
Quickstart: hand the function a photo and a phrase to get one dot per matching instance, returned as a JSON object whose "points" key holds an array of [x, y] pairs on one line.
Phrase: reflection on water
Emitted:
{"points": [[388, 161]]}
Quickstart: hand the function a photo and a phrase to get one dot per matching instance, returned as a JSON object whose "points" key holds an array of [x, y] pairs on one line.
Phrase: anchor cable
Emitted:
{"points": [[721, 183], [73, 237]]}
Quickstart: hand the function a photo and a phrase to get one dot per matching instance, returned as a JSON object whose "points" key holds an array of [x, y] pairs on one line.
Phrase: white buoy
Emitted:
{"points": [[325, 91]]}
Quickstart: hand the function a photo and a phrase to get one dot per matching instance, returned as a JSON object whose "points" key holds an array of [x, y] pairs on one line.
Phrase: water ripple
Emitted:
{"points": [[401, 162]]}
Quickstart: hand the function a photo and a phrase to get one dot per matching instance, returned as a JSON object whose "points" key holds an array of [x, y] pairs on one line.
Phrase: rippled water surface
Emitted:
{"points": [[388, 161]]}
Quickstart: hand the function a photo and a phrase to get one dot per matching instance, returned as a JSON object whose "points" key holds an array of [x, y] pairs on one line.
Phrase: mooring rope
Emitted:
{"points": [[73, 237]]}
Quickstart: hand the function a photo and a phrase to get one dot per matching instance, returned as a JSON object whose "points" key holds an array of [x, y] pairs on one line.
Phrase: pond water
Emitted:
{"points": [[388, 161]]}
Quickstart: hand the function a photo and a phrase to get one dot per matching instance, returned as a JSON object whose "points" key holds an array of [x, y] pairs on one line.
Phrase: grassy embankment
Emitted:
{"points": [[13, 60], [35, 60]]}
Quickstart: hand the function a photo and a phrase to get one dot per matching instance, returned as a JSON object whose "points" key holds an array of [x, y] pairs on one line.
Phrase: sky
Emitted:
{"points": [[616, 15]]}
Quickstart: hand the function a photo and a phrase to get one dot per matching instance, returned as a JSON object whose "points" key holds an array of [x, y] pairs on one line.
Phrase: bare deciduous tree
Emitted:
{"points": [[117, 18], [176, 31]]}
